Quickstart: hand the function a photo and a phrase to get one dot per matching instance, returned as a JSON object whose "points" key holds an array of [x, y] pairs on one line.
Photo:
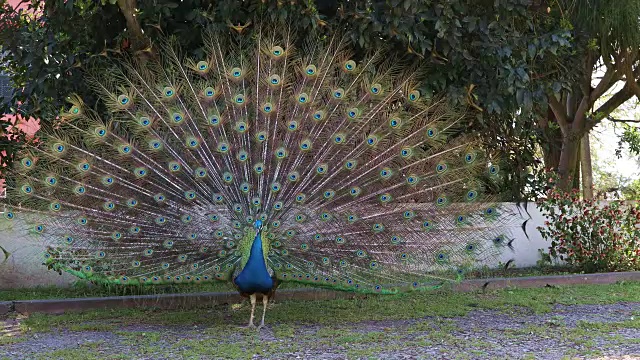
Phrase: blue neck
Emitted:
{"points": [[254, 277]]}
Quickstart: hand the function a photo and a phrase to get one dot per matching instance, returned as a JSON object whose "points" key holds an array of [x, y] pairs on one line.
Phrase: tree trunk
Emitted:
{"points": [[586, 168], [568, 161], [552, 144]]}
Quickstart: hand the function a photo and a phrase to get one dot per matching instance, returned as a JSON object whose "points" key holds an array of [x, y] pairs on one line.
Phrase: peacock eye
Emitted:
{"points": [[202, 65]]}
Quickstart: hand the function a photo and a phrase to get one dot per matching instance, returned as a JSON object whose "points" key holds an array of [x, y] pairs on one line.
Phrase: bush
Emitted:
{"points": [[589, 235]]}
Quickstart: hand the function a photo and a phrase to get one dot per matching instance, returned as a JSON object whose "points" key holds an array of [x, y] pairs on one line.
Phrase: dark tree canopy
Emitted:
{"points": [[498, 57]]}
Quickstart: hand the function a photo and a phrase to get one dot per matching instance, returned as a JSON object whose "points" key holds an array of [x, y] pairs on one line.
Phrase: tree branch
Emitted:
{"points": [[608, 107], [629, 74], [138, 40], [610, 118], [559, 113], [609, 78]]}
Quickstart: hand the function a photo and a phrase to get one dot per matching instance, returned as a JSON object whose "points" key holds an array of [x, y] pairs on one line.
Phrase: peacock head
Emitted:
{"points": [[258, 224]]}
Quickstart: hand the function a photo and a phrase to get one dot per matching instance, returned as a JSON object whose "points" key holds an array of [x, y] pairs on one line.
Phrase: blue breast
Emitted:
{"points": [[254, 277]]}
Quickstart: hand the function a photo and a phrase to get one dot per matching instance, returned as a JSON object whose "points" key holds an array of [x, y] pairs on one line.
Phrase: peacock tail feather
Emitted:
{"points": [[363, 184]]}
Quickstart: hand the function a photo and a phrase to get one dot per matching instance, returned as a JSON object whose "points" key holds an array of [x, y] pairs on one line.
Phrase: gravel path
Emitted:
{"points": [[568, 332]]}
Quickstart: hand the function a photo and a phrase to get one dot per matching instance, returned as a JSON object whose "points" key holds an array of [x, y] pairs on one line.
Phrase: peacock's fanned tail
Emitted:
{"points": [[363, 184]]}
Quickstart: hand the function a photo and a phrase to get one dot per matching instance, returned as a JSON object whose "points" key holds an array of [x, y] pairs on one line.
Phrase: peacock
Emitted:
{"points": [[273, 158]]}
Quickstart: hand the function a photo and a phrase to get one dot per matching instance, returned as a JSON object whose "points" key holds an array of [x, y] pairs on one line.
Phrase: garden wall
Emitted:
{"points": [[23, 267]]}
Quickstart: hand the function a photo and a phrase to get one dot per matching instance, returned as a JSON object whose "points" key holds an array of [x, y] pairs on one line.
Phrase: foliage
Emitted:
{"points": [[496, 56], [592, 236]]}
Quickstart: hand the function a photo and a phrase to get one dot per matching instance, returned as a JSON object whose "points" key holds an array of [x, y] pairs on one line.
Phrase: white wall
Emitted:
{"points": [[23, 268]]}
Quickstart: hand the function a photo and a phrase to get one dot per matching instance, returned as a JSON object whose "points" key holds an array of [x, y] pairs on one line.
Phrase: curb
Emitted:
{"points": [[182, 301]]}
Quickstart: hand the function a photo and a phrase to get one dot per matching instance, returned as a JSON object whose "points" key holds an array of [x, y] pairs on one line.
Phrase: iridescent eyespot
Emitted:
{"points": [[174, 166], [27, 189], [281, 153], [168, 91], [338, 93], [239, 99], [124, 149], [241, 127], [310, 70], [27, 162], [267, 108], [353, 113], [293, 176], [274, 80], [177, 118], [293, 125], [322, 169], [300, 198], [140, 172], [242, 155], [100, 131], [470, 157], [355, 191], [350, 164], [144, 121], [441, 168], [395, 123], [223, 147], [159, 198], [202, 66], [305, 144], [190, 195], [155, 144], [376, 89], [123, 100], [412, 179], [236, 72], [406, 152], [244, 187], [51, 180], [432, 133], [214, 119], [277, 51], [202, 172], [74, 110], [339, 138], [55, 206], [386, 173], [329, 194], [261, 136], [209, 92], [303, 98], [79, 190], [494, 169], [278, 205], [414, 95], [318, 115], [372, 140], [350, 65], [258, 168], [58, 148], [275, 187]]}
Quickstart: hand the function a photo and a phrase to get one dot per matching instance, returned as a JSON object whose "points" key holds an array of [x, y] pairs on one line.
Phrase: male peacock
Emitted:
{"points": [[263, 162]]}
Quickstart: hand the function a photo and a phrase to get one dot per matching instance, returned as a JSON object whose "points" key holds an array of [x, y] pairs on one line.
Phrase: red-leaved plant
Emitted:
{"points": [[591, 235]]}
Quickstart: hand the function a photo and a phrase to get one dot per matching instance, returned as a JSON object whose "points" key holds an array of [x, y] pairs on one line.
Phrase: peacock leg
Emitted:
{"points": [[265, 300], [252, 297]]}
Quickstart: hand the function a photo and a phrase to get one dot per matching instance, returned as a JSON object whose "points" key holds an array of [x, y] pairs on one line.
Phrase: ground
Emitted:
{"points": [[593, 322]]}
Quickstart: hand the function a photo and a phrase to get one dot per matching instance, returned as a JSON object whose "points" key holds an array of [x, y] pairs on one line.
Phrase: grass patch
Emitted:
{"points": [[342, 311], [83, 289]]}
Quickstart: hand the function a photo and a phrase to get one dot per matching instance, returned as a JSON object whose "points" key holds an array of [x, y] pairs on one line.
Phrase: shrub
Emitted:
{"points": [[591, 235]]}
